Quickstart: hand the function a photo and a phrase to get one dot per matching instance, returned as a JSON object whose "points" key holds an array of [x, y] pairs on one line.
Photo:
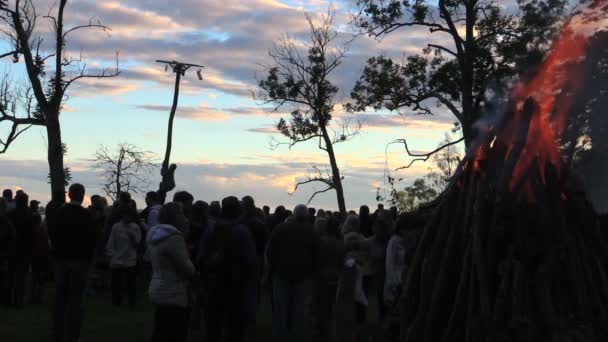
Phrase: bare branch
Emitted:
{"points": [[90, 25], [105, 73], [443, 48], [421, 156], [320, 177]]}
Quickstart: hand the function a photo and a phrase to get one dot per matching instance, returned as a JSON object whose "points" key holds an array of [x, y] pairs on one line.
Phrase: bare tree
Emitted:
{"points": [[39, 101], [302, 83], [444, 164], [124, 169]]}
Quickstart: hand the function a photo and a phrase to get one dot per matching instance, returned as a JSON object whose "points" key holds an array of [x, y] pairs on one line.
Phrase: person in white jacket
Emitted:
{"points": [[395, 265], [122, 246]]}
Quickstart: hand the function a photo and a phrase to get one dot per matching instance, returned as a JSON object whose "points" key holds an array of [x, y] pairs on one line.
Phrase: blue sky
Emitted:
{"points": [[221, 135]]}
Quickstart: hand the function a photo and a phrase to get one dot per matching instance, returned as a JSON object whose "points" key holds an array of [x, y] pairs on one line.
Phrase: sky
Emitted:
{"points": [[222, 136]]}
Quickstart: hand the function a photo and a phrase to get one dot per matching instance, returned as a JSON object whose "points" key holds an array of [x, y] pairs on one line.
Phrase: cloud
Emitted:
{"points": [[230, 37], [206, 113], [268, 179], [202, 113], [265, 130]]}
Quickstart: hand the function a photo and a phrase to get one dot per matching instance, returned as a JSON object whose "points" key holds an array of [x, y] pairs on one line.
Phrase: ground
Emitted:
{"points": [[102, 322], [105, 323]]}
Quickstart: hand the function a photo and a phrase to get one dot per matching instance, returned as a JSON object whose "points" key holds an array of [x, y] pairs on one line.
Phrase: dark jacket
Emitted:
{"points": [[23, 221], [7, 238], [72, 233], [293, 251], [258, 231], [239, 281], [331, 257]]}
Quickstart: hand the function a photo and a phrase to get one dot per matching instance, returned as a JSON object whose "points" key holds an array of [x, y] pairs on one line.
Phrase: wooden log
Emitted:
{"points": [[453, 331], [530, 107], [447, 274]]}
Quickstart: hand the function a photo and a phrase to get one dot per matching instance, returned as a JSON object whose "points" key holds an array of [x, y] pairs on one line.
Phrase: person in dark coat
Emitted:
{"points": [[332, 252], [228, 262], [7, 245], [19, 263], [73, 239], [366, 221], [40, 258], [293, 255]]}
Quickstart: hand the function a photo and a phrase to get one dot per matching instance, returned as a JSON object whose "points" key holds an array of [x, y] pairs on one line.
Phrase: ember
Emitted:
{"points": [[513, 250]]}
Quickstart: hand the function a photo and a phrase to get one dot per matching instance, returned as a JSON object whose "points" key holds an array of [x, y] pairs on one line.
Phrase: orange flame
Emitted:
{"points": [[553, 88]]}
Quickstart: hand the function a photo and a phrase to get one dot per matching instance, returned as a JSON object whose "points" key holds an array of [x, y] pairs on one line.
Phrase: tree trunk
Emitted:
{"points": [[121, 157], [167, 171], [335, 171], [467, 72], [55, 157], [178, 73]]}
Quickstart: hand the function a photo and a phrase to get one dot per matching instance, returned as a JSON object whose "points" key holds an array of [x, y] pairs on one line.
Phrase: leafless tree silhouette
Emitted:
{"points": [[38, 101]]}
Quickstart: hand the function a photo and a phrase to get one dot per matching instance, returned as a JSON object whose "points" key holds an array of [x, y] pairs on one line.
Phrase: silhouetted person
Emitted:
{"points": [[122, 249], [150, 214], [113, 216], [366, 221], [251, 220], [228, 262], [279, 216], [215, 211], [331, 262], [101, 263], [7, 196], [311, 214], [73, 239], [256, 226], [378, 244], [7, 245], [172, 271], [357, 249], [19, 263], [186, 200], [266, 210], [293, 254], [40, 256], [199, 224]]}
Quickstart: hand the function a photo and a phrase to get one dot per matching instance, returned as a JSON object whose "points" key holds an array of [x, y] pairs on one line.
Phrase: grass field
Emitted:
{"points": [[105, 323], [102, 321]]}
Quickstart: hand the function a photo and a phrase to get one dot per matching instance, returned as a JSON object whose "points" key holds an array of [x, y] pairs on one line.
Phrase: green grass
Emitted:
{"points": [[105, 323], [102, 321]]}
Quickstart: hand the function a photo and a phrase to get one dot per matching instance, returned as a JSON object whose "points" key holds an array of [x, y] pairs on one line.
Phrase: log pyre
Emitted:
{"points": [[513, 251]]}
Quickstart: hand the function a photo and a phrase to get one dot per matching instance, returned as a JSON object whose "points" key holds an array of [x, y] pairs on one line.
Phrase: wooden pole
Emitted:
{"points": [[167, 171]]}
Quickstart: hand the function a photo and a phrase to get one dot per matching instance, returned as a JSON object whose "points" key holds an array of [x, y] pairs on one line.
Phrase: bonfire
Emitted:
{"points": [[513, 251]]}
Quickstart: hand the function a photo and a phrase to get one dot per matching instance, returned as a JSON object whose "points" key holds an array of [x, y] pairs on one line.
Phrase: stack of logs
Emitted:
{"points": [[508, 262]]}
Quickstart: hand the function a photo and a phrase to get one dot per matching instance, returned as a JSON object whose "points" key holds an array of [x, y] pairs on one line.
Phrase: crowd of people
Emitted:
{"points": [[210, 263]]}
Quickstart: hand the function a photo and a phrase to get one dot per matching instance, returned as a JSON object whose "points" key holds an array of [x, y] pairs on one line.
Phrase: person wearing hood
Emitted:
{"points": [[122, 251], [172, 271]]}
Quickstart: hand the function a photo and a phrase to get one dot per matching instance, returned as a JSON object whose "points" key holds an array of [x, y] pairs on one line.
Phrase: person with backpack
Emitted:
{"points": [[122, 250], [172, 272], [228, 261]]}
